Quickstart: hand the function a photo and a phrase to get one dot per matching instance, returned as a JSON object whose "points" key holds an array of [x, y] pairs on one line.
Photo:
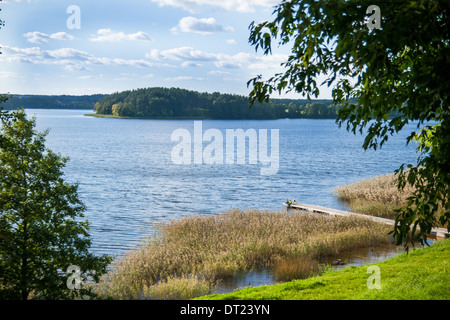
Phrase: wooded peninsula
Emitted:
{"points": [[176, 103]]}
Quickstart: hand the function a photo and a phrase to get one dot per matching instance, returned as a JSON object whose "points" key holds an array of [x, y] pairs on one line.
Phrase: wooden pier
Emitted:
{"points": [[435, 232]]}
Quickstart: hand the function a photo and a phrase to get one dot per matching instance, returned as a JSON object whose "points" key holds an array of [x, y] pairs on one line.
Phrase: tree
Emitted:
{"points": [[3, 98], [42, 231], [398, 69]]}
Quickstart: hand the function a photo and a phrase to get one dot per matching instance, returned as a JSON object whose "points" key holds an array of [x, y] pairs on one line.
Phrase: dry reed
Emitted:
{"points": [[378, 196], [212, 247], [300, 267]]}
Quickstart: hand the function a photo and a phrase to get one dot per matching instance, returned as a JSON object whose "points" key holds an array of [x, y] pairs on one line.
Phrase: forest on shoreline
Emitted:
{"points": [[181, 103], [176, 103], [32, 101]]}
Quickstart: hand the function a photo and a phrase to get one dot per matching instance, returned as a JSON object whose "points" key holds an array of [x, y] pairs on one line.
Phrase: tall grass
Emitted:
{"points": [[378, 196], [297, 268], [201, 250]]}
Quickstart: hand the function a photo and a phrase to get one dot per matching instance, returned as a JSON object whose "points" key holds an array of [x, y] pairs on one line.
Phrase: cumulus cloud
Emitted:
{"points": [[107, 35], [190, 64], [40, 37], [67, 53], [76, 67], [202, 26], [189, 55], [229, 5], [61, 36], [71, 59], [78, 60], [185, 78], [22, 54], [181, 53]]}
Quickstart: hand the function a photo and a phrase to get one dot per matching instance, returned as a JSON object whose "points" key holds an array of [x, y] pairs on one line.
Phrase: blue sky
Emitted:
{"points": [[193, 44]]}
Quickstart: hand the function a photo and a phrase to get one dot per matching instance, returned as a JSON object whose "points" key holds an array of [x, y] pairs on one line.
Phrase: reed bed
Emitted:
{"points": [[378, 196], [297, 268], [188, 257]]}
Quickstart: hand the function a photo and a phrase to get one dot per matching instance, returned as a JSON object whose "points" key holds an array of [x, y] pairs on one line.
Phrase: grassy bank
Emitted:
{"points": [[422, 274], [189, 256]]}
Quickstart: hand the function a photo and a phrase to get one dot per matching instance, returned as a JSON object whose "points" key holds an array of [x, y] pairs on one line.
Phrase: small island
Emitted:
{"points": [[176, 103]]}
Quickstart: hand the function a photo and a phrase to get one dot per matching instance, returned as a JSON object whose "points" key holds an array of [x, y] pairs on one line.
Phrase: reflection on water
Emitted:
{"points": [[254, 278], [355, 257], [362, 256]]}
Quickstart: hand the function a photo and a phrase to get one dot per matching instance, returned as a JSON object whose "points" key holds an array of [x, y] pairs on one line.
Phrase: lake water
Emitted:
{"points": [[128, 181]]}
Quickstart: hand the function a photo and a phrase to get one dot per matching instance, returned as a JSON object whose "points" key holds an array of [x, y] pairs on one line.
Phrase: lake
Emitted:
{"points": [[129, 181]]}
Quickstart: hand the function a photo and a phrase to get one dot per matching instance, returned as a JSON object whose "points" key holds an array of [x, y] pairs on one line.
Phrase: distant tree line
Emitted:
{"points": [[51, 102], [182, 103]]}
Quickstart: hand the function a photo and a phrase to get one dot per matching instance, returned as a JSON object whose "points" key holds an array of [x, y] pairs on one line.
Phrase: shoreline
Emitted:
{"points": [[353, 258], [204, 249], [421, 274], [110, 116], [196, 118]]}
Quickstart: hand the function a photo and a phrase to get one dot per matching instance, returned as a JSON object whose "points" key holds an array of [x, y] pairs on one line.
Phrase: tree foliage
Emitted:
{"points": [[42, 230], [32, 101], [398, 69]]}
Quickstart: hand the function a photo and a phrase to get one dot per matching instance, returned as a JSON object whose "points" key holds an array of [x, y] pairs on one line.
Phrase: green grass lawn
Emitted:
{"points": [[422, 274]]}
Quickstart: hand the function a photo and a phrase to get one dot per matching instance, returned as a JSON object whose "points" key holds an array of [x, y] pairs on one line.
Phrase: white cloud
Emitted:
{"points": [[182, 53], [40, 37], [13, 54], [71, 59], [218, 73], [202, 26], [9, 75], [122, 62], [239, 60], [29, 1], [231, 41], [239, 80], [185, 78], [228, 64], [76, 67], [236, 61], [61, 36], [79, 60], [87, 77], [37, 37], [107, 35], [190, 64], [268, 62], [229, 5], [131, 76], [67, 53]]}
